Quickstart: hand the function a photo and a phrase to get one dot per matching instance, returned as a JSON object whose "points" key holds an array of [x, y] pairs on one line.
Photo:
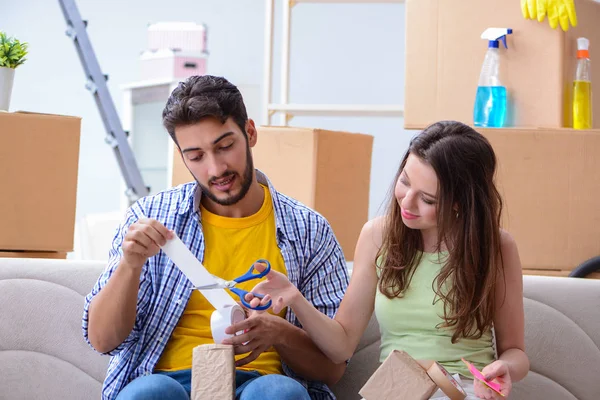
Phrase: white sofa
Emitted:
{"points": [[43, 354]]}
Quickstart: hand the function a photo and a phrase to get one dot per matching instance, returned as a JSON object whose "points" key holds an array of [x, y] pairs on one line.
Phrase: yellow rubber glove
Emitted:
{"points": [[558, 11]]}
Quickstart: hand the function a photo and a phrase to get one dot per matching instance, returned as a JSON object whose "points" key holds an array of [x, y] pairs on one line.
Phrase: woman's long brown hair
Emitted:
{"points": [[468, 221]]}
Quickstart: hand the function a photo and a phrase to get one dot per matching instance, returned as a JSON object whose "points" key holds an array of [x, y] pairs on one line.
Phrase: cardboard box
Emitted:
{"points": [[179, 174], [180, 36], [444, 54], [39, 157], [400, 377], [327, 171], [549, 180], [171, 65], [213, 372], [34, 254]]}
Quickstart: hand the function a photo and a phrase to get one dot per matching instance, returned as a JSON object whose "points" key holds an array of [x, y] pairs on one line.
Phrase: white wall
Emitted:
{"points": [[353, 53], [341, 53]]}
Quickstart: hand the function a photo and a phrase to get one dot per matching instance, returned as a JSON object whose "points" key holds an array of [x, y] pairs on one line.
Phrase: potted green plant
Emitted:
{"points": [[12, 54]]}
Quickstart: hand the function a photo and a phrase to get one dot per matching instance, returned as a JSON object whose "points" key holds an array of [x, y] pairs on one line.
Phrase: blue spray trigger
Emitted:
{"points": [[503, 38]]}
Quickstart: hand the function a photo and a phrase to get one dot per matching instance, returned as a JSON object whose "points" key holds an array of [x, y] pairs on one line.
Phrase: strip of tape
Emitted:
{"points": [[446, 382], [193, 269]]}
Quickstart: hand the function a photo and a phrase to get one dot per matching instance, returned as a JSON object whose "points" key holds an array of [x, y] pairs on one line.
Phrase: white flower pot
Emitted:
{"points": [[7, 76]]}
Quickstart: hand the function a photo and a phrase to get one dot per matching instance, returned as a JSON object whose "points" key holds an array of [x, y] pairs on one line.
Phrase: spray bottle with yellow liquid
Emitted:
{"points": [[582, 87]]}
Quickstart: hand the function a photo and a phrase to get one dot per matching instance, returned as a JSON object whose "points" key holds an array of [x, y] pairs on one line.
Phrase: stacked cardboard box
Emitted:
{"points": [[549, 175], [39, 157], [550, 182], [444, 54], [327, 171]]}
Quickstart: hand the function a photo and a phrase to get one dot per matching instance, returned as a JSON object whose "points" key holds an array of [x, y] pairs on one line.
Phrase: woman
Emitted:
{"points": [[438, 271]]}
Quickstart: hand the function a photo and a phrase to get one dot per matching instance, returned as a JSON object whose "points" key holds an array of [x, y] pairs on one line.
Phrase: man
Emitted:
{"points": [[142, 310]]}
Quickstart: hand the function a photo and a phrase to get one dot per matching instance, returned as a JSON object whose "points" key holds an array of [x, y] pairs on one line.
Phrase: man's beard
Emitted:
{"points": [[246, 183]]}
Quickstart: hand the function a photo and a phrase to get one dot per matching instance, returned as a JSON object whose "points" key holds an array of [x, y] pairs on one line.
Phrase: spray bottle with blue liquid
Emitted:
{"points": [[490, 101]]}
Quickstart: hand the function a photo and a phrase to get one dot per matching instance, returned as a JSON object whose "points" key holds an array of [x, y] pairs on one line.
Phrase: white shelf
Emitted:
{"points": [[150, 83], [284, 108], [340, 110]]}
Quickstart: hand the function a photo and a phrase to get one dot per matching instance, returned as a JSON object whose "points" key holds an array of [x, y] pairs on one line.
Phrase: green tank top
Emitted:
{"points": [[409, 323]]}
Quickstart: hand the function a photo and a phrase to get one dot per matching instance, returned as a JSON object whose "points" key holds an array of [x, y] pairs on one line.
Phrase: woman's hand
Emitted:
{"points": [[277, 287], [499, 373]]}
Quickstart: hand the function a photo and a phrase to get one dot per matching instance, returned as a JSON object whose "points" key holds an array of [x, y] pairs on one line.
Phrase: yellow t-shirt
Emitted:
{"points": [[232, 246]]}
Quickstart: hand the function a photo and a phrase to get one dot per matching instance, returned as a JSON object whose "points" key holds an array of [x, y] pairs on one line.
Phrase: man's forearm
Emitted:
{"points": [[299, 352], [113, 310]]}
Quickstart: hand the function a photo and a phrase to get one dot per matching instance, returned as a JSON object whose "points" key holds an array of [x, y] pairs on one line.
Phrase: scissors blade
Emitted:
{"points": [[209, 287], [218, 284]]}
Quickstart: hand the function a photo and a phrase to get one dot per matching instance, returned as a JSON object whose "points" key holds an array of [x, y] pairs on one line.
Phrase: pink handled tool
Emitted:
{"points": [[479, 376]]}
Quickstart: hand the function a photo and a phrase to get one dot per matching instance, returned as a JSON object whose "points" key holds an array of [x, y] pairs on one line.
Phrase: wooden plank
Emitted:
{"points": [[33, 254], [550, 272]]}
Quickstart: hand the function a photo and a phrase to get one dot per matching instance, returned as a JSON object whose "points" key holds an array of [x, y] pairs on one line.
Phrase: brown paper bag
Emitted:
{"points": [[213, 372], [400, 377]]}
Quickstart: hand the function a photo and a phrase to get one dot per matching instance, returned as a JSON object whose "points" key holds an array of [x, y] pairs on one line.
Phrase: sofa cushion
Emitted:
{"points": [[43, 354], [536, 386], [562, 338], [42, 351]]}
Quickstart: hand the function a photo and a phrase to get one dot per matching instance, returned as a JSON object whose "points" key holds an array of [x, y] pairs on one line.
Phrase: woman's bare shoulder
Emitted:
{"points": [[373, 231]]}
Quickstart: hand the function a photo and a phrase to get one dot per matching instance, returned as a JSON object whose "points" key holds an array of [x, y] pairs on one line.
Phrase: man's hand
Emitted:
{"points": [[142, 241], [261, 331], [277, 286]]}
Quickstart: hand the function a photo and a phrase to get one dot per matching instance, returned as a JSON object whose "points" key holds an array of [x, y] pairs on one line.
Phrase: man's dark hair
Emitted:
{"points": [[203, 96]]}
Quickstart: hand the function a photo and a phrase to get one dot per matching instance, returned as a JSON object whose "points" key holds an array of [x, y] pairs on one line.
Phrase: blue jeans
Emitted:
{"points": [[177, 386]]}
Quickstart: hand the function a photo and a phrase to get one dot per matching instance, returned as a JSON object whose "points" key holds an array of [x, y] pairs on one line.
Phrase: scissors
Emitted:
{"points": [[248, 276]]}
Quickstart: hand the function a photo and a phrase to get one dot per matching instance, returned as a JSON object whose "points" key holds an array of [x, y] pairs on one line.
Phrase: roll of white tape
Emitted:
{"points": [[446, 382], [223, 318]]}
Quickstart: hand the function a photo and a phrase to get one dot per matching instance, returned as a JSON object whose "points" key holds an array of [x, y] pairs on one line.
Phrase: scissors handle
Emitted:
{"points": [[251, 275], [242, 294]]}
